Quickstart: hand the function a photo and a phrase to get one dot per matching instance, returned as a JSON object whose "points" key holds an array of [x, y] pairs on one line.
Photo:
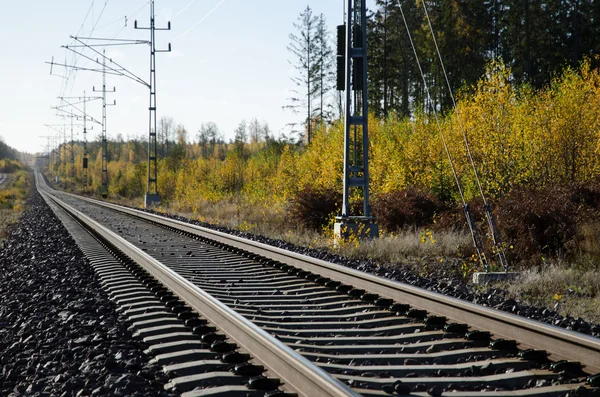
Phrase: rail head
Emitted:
{"points": [[298, 373], [559, 342]]}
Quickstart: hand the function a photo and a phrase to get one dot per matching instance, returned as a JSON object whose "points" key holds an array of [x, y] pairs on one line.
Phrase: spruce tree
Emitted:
{"points": [[305, 53]]}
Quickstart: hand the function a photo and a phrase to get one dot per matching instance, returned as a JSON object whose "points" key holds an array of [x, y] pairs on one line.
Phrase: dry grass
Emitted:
{"points": [[574, 288], [418, 248], [570, 288], [410, 245], [8, 217]]}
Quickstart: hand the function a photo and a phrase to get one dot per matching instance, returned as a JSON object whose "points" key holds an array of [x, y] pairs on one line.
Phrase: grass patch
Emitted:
{"points": [[423, 250], [13, 195], [571, 289]]}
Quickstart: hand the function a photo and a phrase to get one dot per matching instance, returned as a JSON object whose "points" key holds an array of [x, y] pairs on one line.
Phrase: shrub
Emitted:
{"points": [[8, 166], [312, 207], [545, 221], [406, 208]]}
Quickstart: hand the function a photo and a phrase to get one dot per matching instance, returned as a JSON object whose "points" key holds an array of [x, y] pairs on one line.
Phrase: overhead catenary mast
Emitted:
{"points": [[56, 144], [152, 197], [104, 183], [352, 77], [69, 164], [72, 108], [84, 167], [72, 169]]}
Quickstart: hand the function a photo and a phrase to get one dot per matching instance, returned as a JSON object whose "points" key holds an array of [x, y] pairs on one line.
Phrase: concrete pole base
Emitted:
{"points": [[151, 200], [492, 277], [355, 227]]}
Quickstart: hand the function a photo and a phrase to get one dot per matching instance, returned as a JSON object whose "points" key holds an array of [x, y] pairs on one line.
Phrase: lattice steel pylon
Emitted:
{"points": [[152, 197], [356, 129]]}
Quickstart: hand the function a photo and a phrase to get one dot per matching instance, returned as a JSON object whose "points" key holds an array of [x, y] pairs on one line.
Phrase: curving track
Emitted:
{"points": [[228, 316]]}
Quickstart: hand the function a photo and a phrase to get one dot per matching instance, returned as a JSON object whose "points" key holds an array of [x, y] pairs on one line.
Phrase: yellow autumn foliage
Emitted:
{"points": [[517, 137]]}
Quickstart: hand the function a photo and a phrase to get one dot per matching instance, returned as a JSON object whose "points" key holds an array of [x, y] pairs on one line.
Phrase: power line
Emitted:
{"points": [[127, 18], [184, 8], [200, 21], [75, 60], [131, 17], [86, 16], [72, 105], [121, 71]]}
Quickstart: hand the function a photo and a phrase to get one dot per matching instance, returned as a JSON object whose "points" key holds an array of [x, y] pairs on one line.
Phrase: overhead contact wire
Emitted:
{"points": [[201, 20]]}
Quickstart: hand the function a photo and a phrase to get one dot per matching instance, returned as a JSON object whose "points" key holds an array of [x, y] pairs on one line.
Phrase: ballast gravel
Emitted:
{"points": [[59, 333], [447, 285]]}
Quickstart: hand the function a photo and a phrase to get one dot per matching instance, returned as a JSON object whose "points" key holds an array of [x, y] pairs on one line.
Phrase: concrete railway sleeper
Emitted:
{"points": [[353, 326], [198, 359]]}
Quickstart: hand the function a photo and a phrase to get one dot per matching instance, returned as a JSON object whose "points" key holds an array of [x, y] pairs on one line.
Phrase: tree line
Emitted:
{"points": [[536, 39], [7, 152], [518, 138]]}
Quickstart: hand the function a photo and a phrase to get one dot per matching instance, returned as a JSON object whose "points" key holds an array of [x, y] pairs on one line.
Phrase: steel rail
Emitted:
{"points": [[560, 343], [297, 373]]}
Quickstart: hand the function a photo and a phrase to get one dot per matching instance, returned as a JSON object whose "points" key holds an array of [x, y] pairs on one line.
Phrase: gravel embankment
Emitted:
{"points": [[450, 286], [59, 332]]}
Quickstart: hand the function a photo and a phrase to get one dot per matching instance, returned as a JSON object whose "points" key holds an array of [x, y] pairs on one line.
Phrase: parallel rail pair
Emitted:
{"points": [[299, 374]]}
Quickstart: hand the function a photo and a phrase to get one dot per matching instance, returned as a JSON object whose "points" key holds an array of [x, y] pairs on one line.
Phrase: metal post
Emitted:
{"points": [[84, 170], [65, 152], [356, 118], [152, 197], [104, 186], [86, 118], [72, 170], [57, 153]]}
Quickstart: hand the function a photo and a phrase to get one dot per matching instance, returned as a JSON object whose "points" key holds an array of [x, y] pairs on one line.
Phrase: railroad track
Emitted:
{"points": [[226, 316]]}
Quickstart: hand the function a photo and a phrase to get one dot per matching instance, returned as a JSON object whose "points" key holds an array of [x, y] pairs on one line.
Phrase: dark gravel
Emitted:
{"points": [[59, 332], [444, 284]]}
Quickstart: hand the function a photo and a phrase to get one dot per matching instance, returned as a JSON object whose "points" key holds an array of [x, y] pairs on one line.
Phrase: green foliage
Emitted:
{"points": [[536, 37], [7, 152]]}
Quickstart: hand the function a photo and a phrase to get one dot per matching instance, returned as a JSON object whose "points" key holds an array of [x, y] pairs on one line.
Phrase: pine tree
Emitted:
{"points": [[304, 49], [394, 80], [240, 138], [207, 137], [325, 67]]}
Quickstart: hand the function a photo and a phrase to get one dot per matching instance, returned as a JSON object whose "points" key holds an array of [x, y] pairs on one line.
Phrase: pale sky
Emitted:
{"points": [[232, 65]]}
